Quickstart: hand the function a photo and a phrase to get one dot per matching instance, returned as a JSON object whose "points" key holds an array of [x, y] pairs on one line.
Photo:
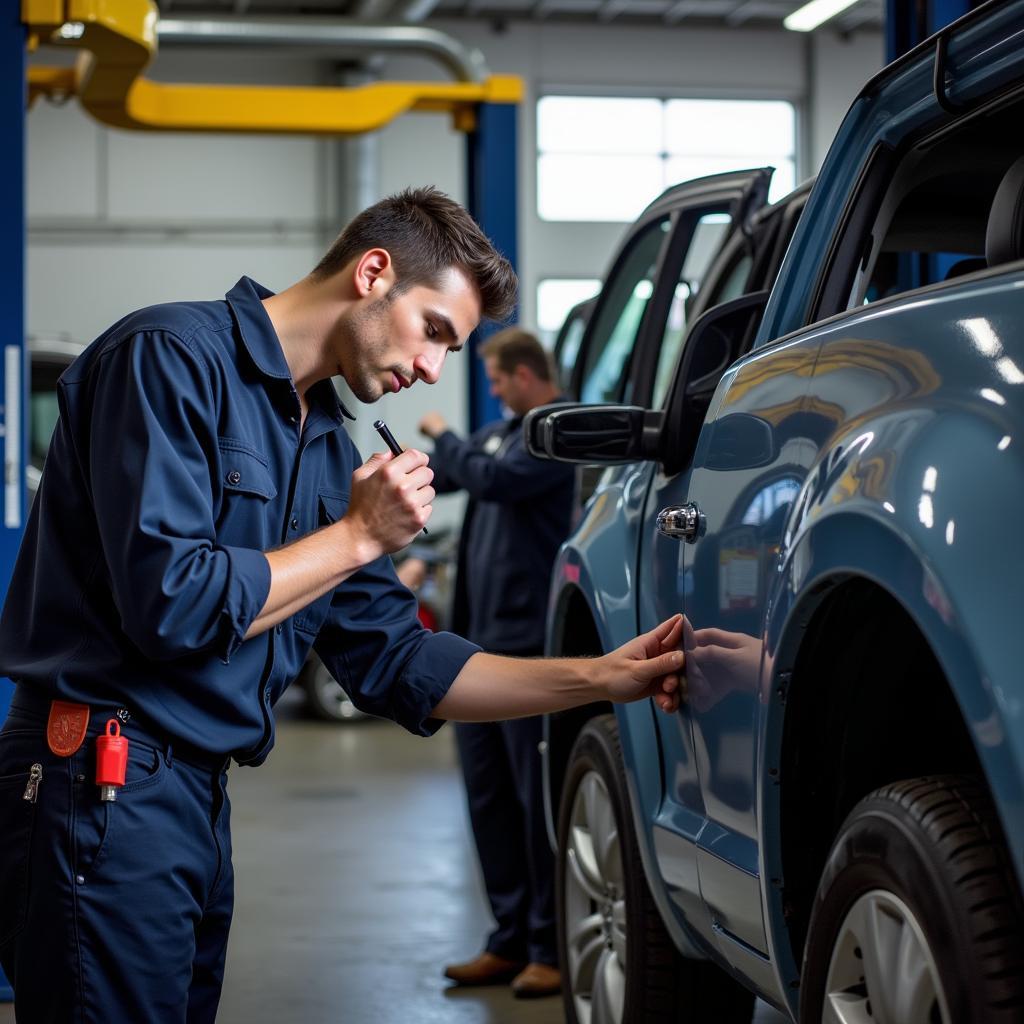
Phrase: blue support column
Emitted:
{"points": [[907, 23], [12, 303], [492, 175]]}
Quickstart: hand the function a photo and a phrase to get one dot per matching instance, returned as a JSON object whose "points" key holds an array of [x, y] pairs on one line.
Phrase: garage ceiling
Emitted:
{"points": [[682, 13]]}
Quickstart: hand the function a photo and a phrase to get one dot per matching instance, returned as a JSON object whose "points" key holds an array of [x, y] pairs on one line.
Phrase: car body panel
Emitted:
{"points": [[725, 580], [896, 442], [894, 460]]}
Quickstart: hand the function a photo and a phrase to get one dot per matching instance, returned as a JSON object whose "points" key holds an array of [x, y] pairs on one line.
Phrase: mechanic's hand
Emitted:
{"points": [[391, 500], [433, 425], [649, 666]]}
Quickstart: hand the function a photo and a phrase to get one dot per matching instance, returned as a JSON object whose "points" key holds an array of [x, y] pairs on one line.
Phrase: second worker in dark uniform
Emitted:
{"points": [[518, 514]]}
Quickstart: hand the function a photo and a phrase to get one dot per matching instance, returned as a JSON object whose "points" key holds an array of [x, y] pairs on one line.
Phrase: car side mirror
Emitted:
{"points": [[604, 435]]}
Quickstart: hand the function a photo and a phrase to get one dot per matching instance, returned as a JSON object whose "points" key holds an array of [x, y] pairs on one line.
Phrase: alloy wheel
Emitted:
{"points": [[595, 906], [882, 968]]}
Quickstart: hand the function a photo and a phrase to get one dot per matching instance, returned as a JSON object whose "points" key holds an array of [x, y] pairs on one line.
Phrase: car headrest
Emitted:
{"points": [[1004, 238], [968, 265]]}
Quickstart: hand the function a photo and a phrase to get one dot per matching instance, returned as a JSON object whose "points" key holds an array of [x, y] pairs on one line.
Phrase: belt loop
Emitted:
{"points": [[169, 755]]}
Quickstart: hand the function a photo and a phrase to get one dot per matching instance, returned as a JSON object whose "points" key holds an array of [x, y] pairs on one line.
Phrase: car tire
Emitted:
{"points": [[605, 909], [325, 699], [917, 918]]}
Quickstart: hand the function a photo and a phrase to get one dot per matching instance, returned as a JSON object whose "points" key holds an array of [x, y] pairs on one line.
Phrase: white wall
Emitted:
{"points": [[820, 73], [118, 220]]}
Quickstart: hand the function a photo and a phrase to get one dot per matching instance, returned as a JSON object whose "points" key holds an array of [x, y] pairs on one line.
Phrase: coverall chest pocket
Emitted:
{"points": [[331, 506], [247, 488]]}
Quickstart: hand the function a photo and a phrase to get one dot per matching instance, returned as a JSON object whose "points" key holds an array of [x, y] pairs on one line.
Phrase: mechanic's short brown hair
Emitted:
{"points": [[427, 233], [514, 347]]}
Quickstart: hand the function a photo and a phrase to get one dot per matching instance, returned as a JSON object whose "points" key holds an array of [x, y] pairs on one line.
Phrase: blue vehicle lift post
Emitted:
{"points": [[491, 152], [12, 300], [907, 23]]}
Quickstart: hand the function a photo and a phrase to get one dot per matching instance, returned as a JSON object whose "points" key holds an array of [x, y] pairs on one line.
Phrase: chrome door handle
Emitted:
{"points": [[683, 522]]}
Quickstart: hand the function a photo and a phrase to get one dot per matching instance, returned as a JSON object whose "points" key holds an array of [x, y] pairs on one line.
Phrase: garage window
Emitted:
{"points": [[605, 158], [556, 296]]}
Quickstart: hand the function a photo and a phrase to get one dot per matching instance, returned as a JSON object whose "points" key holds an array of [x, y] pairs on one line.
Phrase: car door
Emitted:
{"points": [[747, 469], [699, 745]]}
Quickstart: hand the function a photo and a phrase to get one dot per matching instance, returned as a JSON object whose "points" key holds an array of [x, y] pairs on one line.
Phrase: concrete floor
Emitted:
{"points": [[355, 883]]}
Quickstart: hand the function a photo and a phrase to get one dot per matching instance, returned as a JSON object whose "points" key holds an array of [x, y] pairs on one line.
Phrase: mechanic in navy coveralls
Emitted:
{"points": [[519, 512], [202, 521]]}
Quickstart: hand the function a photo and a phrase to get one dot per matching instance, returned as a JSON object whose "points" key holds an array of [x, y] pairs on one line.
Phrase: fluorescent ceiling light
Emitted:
{"points": [[811, 15]]}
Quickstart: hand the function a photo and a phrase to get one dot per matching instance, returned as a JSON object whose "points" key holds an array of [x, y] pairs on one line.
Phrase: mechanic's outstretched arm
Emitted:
{"points": [[491, 687]]}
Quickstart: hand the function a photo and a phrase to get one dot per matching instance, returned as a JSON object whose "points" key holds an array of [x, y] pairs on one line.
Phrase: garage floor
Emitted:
{"points": [[355, 883]]}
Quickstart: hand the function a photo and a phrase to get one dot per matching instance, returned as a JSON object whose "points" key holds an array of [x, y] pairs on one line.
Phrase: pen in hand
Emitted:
{"points": [[389, 439]]}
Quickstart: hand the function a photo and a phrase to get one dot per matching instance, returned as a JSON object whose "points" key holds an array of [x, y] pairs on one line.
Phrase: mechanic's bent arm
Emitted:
{"points": [[306, 569]]}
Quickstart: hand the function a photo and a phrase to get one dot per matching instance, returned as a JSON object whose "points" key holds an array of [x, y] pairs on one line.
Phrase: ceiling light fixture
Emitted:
{"points": [[810, 16]]}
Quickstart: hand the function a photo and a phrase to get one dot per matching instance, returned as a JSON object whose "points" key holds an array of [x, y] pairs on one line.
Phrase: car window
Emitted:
{"points": [[926, 222], [43, 408], [43, 414], [707, 239], [626, 295], [569, 347]]}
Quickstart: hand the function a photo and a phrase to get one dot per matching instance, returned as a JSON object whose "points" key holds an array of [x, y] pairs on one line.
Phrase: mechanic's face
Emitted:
{"points": [[392, 342], [508, 388]]}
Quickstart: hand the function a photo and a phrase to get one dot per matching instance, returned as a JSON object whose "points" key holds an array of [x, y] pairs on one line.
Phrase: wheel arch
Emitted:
{"points": [[872, 681]]}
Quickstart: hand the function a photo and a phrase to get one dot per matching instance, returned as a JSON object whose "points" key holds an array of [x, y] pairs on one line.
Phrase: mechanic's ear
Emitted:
{"points": [[374, 274]]}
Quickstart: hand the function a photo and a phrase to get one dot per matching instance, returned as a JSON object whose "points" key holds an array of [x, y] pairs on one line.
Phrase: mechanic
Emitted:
{"points": [[203, 520], [519, 512]]}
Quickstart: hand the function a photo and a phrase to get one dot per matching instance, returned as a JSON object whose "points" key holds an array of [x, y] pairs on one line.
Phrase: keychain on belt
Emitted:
{"points": [[111, 760]]}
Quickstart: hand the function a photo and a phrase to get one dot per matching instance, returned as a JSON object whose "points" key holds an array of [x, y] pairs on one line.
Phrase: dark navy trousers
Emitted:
{"points": [[501, 766], [112, 911]]}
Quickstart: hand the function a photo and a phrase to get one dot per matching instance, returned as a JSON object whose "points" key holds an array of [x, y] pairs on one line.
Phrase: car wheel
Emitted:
{"points": [[917, 917], [619, 964], [324, 697]]}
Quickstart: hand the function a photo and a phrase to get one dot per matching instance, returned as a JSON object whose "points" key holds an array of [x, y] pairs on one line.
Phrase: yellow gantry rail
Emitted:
{"points": [[117, 40]]}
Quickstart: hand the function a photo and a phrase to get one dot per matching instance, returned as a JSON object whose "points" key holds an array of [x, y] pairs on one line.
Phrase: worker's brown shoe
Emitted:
{"points": [[486, 969], [536, 980]]}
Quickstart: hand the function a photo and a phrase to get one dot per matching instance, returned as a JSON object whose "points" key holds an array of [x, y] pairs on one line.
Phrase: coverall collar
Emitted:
{"points": [[264, 347]]}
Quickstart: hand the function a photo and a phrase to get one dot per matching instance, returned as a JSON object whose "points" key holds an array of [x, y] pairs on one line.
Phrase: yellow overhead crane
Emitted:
{"points": [[118, 40]]}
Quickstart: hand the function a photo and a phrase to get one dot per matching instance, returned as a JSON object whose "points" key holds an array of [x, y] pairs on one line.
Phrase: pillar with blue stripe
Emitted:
{"points": [[12, 304], [493, 200], [907, 23]]}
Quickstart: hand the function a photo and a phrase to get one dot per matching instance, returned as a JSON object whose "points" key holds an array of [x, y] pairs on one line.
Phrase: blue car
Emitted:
{"points": [[828, 482]]}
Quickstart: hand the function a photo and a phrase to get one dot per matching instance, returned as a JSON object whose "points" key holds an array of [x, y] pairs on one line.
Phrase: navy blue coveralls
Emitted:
{"points": [[517, 517], [176, 462]]}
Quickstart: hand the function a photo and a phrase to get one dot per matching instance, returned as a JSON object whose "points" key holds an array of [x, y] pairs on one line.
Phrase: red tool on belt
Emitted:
{"points": [[111, 760]]}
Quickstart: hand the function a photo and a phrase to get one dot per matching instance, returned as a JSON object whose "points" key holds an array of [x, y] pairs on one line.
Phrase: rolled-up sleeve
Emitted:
{"points": [[151, 442], [376, 648]]}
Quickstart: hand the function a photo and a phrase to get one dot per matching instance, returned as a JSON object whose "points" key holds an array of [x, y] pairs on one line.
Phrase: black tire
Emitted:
{"points": [[932, 846], [325, 699], [659, 985]]}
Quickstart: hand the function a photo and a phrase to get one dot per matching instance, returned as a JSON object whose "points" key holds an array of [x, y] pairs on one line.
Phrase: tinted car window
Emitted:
{"points": [[627, 294], [707, 238]]}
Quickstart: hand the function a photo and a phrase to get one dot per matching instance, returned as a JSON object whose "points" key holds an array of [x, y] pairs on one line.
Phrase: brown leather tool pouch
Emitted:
{"points": [[66, 727]]}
